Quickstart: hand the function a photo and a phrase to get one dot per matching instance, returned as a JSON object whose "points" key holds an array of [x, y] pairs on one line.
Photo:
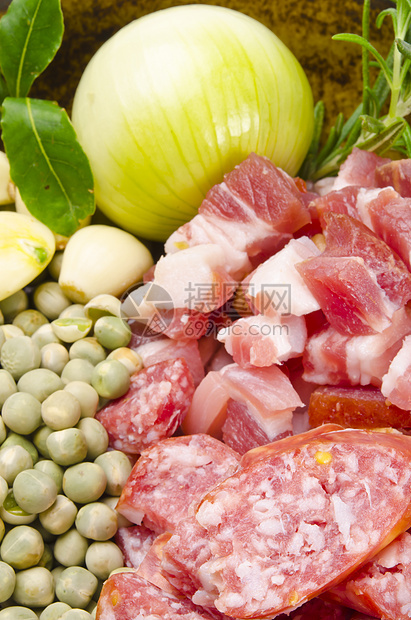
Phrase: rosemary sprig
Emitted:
{"points": [[368, 128]]}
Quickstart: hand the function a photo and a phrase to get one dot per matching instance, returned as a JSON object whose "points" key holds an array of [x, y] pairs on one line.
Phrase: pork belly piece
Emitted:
{"points": [[355, 407], [276, 286], [342, 201], [159, 350], [171, 476], [264, 340], [134, 542], [381, 588], [128, 595], [186, 288], [266, 397], [293, 524], [253, 211], [153, 408], [346, 236], [359, 169], [396, 384], [348, 293], [334, 358], [396, 174]]}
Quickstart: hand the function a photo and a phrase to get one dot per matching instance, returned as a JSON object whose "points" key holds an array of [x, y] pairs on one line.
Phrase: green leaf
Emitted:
{"points": [[404, 47], [30, 34], [382, 142], [47, 163], [356, 38], [371, 124]]}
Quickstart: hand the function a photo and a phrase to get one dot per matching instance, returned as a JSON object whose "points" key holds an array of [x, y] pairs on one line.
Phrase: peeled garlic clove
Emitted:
{"points": [[102, 259], [26, 248], [6, 186]]}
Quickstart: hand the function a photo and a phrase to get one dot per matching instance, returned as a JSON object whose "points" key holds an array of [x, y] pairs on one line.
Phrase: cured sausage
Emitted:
{"points": [[170, 476], [134, 542], [294, 521], [152, 409]]}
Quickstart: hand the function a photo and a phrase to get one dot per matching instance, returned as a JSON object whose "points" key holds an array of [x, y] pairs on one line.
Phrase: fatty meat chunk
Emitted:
{"points": [[396, 384], [171, 476], [359, 169], [134, 542]]}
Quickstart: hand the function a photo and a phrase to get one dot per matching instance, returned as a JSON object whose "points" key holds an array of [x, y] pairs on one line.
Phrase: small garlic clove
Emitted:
{"points": [[102, 259], [26, 248]]}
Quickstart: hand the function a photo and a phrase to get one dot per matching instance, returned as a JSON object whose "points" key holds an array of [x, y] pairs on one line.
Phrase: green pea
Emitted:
{"points": [[54, 356], [96, 437], [13, 460], [54, 266], [34, 587], [112, 332], [76, 614], [102, 558], [71, 329], [11, 331], [50, 300], [96, 521], [19, 355], [29, 321], [70, 548], [53, 470], [17, 613], [75, 311], [128, 357], [67, 447], [60, 517], [34, 490], [2, 336], [86, 395], [56, 572], [40, 440], [1, 323], [2, 529], [117, 467], [88, 349], [15, 439], [7, 581], [110, 379], [84, 482], [102, 305], [45, 335], [112, 502], [60, 410], [40, 382], [22, 413], [54, 611], [3, 431], [11, 512], [13, 305], [7, 385], [77, 370], [76, 586], [47, 559], [22, 547], [4, 489]]}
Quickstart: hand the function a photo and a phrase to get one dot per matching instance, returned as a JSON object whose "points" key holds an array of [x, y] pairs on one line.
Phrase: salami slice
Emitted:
{"points": [[295, 522], [152, 409], [382, 588], [135, 542], [170, 476], [128, 595], [320, 610]]}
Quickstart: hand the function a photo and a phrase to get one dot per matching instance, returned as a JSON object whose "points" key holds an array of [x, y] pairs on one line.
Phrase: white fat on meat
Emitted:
{"points": [[394, 386], [344, 518], [278, 276], [364, 197]]}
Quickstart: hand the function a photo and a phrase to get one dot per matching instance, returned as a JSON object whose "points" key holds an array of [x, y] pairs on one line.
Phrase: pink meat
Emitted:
{"points": [[208, 407], [317, 609], [338, 201], [296, 522], [128, 595], [171, 477], [220, 359], [382, 588], [359, 169], [348, 293], [152, 409], [150, 566], [396, 174], [334, 358], [253, 211], [346, 236], [134, 542], [162, 349], [396, 384], [262, 340]]}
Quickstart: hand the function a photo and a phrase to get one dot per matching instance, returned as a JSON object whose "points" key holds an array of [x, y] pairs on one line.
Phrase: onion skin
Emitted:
{"points": [[175, 100]]}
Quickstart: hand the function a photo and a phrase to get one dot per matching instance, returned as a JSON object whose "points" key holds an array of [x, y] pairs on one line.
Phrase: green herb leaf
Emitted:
{"points": [[30, 34], [404, 47], [47, 163]]}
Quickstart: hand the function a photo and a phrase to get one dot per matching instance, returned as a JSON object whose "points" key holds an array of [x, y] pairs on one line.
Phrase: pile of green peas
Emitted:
{"points": [[59, 483]]}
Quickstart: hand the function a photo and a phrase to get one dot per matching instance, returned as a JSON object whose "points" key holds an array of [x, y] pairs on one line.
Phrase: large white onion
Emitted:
{"points": [[175, 100]]}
